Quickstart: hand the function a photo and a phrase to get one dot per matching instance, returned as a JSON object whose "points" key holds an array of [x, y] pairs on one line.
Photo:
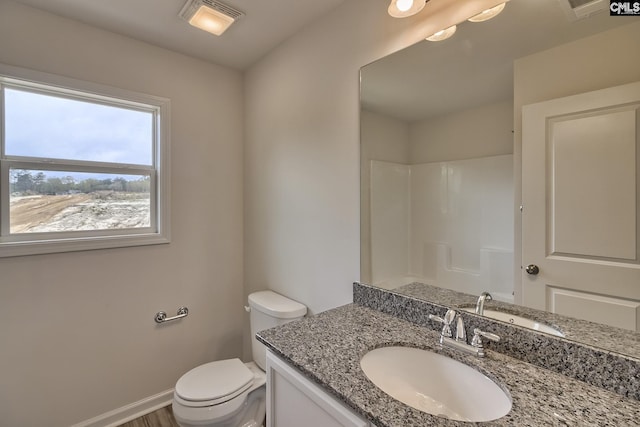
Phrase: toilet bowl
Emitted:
{"points": [[226, 393], [230, 393]]}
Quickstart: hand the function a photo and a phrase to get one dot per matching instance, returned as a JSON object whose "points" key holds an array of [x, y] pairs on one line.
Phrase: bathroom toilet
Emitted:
{"points": [[230, 393]]}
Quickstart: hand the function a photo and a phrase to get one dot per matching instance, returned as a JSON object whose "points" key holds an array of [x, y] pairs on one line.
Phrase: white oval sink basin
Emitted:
{"points": [[518, 320], [435, 384]]}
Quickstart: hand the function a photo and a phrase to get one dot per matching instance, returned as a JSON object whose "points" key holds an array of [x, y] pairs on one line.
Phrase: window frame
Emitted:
{"points": [[158, 232]]}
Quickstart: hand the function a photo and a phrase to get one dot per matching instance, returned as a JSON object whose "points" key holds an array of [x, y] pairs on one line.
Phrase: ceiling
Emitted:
{"points": [[267, 23], [475, 66]]}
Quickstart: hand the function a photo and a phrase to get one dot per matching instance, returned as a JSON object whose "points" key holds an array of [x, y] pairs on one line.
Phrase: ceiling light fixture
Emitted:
{"points": [[209, 15], [488, 14], [405, 8], [442, 34]]}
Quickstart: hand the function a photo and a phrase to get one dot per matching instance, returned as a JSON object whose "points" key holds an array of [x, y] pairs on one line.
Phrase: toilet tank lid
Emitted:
{"points": [[276, 305]]}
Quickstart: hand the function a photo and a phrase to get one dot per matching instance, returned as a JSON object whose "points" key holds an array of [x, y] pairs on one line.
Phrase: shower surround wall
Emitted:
{"points": [[446, 223], [441, 190]]}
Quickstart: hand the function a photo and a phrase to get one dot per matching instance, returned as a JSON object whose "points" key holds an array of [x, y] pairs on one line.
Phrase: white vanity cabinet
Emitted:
{"points": [[294, 401]]}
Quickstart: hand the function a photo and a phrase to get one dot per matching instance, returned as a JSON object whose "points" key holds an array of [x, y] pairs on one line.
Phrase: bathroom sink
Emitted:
{"points": [[518, 320], [436, 384]]}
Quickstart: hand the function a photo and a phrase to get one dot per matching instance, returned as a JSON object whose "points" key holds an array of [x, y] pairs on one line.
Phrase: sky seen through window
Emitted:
{"points": [[53, 127]]}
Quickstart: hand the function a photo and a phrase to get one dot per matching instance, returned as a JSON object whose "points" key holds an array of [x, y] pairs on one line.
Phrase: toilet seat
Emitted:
{"points": [[213, 383]]}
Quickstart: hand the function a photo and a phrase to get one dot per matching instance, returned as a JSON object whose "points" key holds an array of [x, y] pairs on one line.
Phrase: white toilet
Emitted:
{"points": [[229, 393]]}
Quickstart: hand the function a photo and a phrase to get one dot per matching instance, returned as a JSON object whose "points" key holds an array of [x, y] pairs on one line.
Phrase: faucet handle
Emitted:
{"points": [[446, 321], [477, 340], [436, 318], [478, 334], [488, 335], [461, 333]]}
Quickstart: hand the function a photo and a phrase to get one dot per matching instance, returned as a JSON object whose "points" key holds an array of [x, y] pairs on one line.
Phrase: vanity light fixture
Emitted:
{"points": [[209, 15], [442, 34], [485, 15], [405, 8], [481, 17]]}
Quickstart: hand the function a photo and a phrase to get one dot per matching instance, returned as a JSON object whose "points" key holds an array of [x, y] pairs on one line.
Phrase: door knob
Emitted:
{"points": [[532, 269]]}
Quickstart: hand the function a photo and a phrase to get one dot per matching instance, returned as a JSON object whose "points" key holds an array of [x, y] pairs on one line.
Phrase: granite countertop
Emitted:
{"points": [[327, 349], [607, 337]]}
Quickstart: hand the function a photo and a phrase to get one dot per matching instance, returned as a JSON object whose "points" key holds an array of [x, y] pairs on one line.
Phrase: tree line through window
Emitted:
{"points": [[25, 182]]}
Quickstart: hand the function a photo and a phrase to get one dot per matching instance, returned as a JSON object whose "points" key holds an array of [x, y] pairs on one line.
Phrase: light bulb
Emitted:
{"points": [[485, 15], [404, 8], [442, 34], [404, 5]]}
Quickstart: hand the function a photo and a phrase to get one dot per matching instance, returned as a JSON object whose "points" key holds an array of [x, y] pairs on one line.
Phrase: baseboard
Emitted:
{"points": [[129, 412]]}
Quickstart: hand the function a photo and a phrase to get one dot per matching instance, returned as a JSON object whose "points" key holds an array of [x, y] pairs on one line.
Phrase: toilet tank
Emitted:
{"points": [[269, 309]]}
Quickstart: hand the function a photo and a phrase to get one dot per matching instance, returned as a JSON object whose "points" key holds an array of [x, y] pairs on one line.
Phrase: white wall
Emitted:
{"points": [[77, 336], [445, 223], [469, 205], [462, 226], [465, 145]]}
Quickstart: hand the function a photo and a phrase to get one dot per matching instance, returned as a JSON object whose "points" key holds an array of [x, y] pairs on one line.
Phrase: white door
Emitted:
{"points": [[581, 205]]}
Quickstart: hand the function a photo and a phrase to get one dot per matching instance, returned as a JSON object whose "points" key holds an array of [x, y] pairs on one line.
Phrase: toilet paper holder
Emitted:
{"points": [[161, 316]]}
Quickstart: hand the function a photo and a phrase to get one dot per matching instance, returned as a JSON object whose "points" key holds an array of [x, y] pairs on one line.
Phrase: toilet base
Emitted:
{"points": [[250, 414]]}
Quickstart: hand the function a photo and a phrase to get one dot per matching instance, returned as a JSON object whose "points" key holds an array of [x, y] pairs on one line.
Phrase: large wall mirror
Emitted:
{"points": [[540, 108]]}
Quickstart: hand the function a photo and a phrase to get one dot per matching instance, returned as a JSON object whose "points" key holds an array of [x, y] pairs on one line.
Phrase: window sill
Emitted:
{"points": [[14, 249]]}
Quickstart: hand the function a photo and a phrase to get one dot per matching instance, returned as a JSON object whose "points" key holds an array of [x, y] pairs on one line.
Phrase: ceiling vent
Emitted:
{"points": [[190, 7], [581, 9], [210, 15]]}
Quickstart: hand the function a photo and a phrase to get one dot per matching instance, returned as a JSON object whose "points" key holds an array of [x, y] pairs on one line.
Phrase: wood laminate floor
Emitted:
{"points": [[163, 417]]}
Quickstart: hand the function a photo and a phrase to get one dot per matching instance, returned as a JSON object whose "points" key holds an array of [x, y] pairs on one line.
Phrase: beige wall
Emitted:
{"points": [[597, 62], [607, 59], [302, 189], [302, 148], [383, 138], [478, 132], [77, 336]]}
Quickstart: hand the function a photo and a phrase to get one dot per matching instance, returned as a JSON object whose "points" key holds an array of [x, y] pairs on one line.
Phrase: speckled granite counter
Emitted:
{"points": [[588, 333], [596, 366], [327, 349]]}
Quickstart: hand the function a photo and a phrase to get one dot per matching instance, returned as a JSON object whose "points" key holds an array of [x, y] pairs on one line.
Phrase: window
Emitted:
{"points": [[82, 166]]}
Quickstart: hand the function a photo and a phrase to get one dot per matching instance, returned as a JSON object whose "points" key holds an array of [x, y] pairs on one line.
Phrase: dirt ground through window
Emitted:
{"points": [[78, 212]]}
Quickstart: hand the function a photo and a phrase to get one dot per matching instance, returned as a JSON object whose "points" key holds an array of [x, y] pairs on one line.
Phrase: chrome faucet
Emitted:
{"points": [[460, 341], [484, 297]]}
